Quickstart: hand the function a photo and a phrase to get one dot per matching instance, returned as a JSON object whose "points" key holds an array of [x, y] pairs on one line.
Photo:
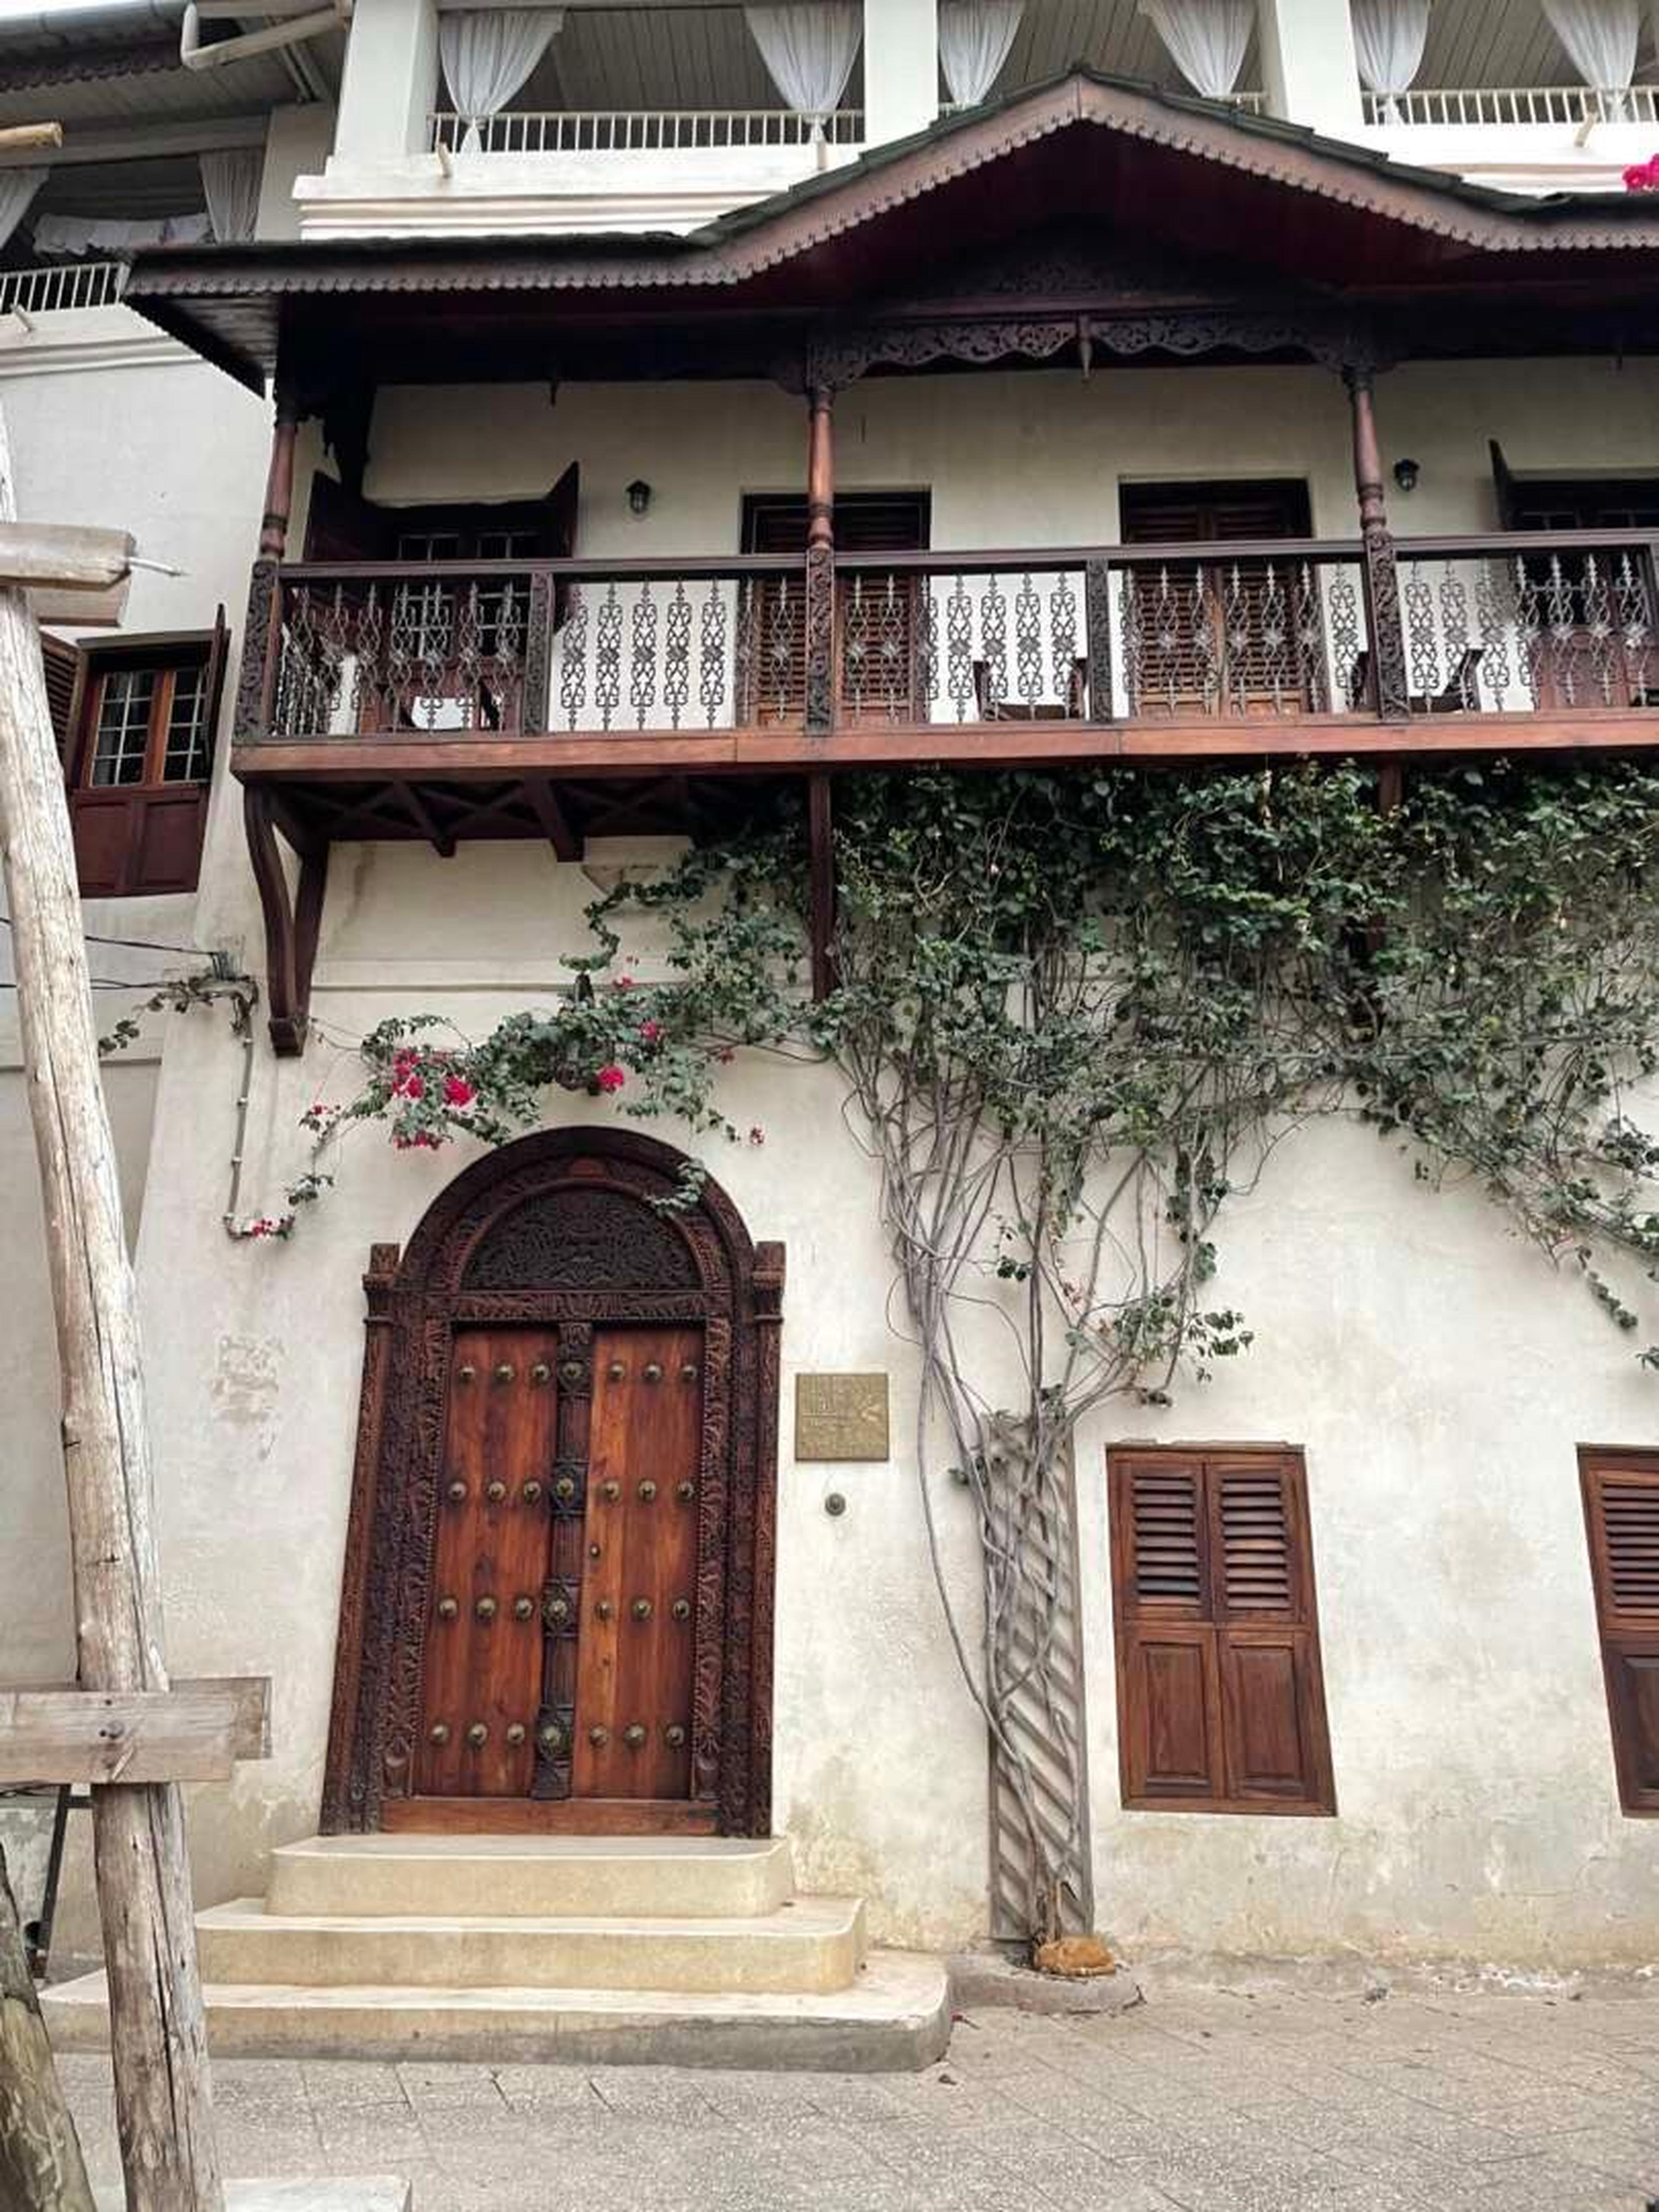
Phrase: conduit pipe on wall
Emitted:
{"points": [[292, 31]]}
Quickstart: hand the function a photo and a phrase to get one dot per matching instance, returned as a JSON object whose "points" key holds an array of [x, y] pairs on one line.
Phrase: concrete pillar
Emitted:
{"points": [[390, 81], [1309, 66], [901, 68], [297, 143]]}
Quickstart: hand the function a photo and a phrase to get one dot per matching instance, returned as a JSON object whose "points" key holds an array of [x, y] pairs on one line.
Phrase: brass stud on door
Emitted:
{"points": [[530, 1493], [515, 1734], [641, 1608], [651, 1370], [685, 1492], [466, 1374], [457, 1493], [541, 1373], [681, 1608], [689, 1372], [495, 1491], [610, 1492], [604, 1610], [615, 1372], [634, 1735], [648, 1492], [565, 1489], [486, 1608], [571, 1371], [506, 1371], [438, 1732], [598, 1737], [477, 1735], [674, 1736], [523, 1608], [558, 1608], [448, 1608], [550, 1736]]}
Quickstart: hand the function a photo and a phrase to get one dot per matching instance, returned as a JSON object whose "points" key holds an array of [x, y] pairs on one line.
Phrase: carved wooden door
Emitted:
{"points": [[561, 1635]]}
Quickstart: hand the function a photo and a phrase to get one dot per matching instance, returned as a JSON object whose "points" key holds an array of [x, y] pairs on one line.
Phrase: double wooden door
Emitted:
{"points": [[559, 1650]]}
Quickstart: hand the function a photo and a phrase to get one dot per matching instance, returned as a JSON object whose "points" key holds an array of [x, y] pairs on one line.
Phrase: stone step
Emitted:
{"points": [[895, 2018], [814, 1946], [636, 1877]]}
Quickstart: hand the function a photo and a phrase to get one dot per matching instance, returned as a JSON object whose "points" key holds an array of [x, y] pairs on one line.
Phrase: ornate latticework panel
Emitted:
{"points": [[581, 1240]]}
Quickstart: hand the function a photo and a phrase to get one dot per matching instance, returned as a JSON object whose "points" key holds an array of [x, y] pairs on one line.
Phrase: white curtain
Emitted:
{"points": [[974, 40], [1602, 38], [73, 233], [18, 188], [487, 54], [809, 51], [1207, 40], [1388, 39], [230, 184]]}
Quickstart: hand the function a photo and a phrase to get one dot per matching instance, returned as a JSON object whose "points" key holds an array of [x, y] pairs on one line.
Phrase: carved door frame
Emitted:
{"points": [[562, 1264]]}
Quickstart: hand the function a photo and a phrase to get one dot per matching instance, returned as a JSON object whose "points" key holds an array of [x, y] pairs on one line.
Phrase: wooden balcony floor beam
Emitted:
{"points": [[677, 753]]}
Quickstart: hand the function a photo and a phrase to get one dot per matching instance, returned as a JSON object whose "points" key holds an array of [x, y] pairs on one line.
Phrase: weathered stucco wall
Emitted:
{"points": [[1437, 1375]]}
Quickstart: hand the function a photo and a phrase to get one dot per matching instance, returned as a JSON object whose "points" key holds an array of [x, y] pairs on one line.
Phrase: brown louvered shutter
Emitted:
{"points": [[1168, 1674], [1621, 1514], [876, 614], [1220, 1696], [1223, 636], [64, 665]]}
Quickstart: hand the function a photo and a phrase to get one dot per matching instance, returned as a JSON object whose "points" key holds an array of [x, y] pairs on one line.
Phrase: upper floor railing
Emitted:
{"points": [[640, 130], [1265, 632], [1475, 106], [72, 284]]}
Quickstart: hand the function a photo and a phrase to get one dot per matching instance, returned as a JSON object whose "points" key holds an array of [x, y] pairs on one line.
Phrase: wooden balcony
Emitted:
{"points": [[558, 700]]}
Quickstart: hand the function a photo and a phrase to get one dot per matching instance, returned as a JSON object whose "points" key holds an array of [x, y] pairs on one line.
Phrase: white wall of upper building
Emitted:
{"points": [[383, 178]]}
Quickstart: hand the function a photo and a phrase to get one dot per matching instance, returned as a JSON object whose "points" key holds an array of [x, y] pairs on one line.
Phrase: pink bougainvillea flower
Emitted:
{"points": [[625, 983], [458, 1091], [611, 1079], [757, 1136], [650, 1032], [1644, 176]]}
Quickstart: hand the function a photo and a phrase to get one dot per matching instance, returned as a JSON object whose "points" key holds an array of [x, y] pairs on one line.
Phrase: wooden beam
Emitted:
{"points": [[420, 815], [756, 750], [194, 1732], [292, 922], [158, 2027], [1387, 635], [42, 2169], [64, 557], [556, 826]]}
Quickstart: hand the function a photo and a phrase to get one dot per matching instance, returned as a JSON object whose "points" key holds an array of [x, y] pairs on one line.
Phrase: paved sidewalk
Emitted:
{"points": [[1218, 2103]]}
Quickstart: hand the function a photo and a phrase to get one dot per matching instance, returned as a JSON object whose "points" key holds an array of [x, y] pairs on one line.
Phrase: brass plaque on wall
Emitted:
{"points": [[841, 1417]]}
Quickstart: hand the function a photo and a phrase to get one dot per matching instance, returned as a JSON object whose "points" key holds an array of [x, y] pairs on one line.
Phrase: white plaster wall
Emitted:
{"points": [[1436, 1374]]}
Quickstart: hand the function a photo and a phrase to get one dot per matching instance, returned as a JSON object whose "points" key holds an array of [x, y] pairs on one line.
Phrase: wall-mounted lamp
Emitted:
{"points": [[639, 499], [1406, 474]]}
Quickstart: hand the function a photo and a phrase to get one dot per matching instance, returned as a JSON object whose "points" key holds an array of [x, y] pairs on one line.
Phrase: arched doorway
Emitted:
{"points": [[556, 1607]]}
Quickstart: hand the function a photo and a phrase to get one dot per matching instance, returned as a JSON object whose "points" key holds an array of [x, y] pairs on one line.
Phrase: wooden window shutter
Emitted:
{"points": [[1621, 1515], [1221, 1702], [65, 667], [865, 522]]}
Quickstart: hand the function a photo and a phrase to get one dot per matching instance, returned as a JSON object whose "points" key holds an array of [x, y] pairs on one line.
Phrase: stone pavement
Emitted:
{"points": [[1208, 2103]]}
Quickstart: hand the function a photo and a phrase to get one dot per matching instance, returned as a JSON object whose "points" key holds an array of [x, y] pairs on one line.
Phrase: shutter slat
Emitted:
{"points": [[1630, 1535], [1622, 1521], [1167, 1536]]}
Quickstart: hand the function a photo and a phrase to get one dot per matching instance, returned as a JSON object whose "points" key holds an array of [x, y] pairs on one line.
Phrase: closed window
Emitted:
{"points": [[135, 721], [1621, 1516], [1221, 1702]]}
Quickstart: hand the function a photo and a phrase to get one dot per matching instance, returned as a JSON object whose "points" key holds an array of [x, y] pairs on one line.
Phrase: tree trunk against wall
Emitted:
{"points": [[164, 2108], [40, 2165]]}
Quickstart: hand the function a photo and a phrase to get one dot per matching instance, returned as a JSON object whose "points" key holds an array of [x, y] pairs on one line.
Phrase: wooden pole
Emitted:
{"points": [[820, 563], [163, 2097], [40, 2164], [1387, 640], [279, 477]]}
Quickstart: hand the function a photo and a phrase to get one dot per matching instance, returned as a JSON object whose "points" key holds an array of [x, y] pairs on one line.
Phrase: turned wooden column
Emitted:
{"points": [[820, 562], [279, 476], [1388, 637]]}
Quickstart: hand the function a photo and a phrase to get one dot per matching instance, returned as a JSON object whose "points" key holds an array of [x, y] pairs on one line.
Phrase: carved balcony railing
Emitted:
{"points": [[1179, 637], [640, 130]]}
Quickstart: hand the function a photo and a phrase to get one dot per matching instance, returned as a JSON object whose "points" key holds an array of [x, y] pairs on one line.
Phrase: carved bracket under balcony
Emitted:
{"points": [[293, 918]]}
